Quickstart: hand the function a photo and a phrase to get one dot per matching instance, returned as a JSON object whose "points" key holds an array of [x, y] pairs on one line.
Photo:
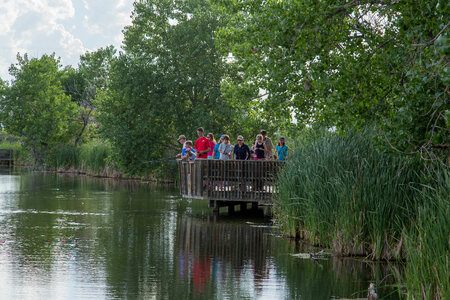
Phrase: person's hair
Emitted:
{"points": [[263, 132], [212, 137], [200, 129], [226, 137], [259, 136], [189, 142], [279, 142]]}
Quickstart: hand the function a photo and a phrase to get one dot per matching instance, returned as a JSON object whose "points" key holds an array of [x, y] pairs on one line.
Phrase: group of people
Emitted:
{"points": [[206, 147]]}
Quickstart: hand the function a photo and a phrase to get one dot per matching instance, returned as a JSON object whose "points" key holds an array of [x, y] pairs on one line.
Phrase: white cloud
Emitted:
{"points": [[92, 28], [86, 5], [66, 27]]}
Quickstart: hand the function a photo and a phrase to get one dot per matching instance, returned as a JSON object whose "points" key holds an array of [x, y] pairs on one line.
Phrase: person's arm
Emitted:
{"points": [[183, 154], [248, 154], [207, 149]]}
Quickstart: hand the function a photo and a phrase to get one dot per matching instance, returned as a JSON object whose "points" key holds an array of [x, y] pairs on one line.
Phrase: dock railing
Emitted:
{"points": [[229, 180]]}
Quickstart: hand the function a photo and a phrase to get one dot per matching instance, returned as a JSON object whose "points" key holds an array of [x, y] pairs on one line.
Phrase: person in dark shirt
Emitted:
{"points": [[260, 148], [241, 150]]}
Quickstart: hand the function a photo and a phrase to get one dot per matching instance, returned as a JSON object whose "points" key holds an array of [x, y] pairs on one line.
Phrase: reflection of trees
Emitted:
{"points": [[139, 243], [97, 228]]}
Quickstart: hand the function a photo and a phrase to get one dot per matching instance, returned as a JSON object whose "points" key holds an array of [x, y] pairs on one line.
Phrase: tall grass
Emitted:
{"points": [[66, 156], [428, 242], [345, 193], [342, 192], [90, 158], [94, 156]]}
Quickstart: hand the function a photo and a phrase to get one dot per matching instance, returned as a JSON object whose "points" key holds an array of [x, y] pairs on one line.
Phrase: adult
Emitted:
{"points": [[216, 153], [268, 145], [225, 148], [260, 148], [182, 140], [202, 146], [282, 150], [212, 144], [241, 150]]}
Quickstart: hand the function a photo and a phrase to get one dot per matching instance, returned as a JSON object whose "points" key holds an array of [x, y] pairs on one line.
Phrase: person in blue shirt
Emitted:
{"points": [[216, 153], [282, 150], [188, 152]]}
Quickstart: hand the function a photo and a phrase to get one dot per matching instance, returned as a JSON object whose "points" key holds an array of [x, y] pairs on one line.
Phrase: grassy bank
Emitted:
{"points": [[345, 193], [93, 159], [90, 158]]}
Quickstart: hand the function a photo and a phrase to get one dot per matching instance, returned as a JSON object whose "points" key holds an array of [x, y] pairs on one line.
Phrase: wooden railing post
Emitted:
{"points": [[229, 180]]}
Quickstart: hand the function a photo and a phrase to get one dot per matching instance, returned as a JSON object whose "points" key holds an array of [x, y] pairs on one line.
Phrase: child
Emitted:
{"points": [[188, 152], [225, 148]]}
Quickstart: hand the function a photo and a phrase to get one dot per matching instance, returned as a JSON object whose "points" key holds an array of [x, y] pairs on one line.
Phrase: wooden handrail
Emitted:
{"points": [[229, 180]]}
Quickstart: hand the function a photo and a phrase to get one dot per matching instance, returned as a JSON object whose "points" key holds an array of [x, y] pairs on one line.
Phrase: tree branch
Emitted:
{"points": [[430, 42]]}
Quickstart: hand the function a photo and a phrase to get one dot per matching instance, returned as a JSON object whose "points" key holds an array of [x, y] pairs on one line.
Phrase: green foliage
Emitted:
{"points": [[66, 156], [344, 193], [166, 83], [82, 84], [35, 106], [89, 158], [94, 156], [427, 243], [343, 63]]}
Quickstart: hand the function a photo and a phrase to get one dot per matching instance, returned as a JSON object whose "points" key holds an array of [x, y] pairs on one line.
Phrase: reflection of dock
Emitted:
{"points": [[229, 182], [6, 157], [227, 242]]}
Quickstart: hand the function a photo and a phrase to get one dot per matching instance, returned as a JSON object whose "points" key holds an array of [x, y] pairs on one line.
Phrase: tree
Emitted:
{"points": [[166, 83], [345, 64], [35, 106], [83, 83]]}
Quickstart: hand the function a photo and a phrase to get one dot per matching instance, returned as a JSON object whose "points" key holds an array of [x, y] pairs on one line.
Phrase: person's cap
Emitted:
{"points": [[240, 138], [222, 136], [263, 132], [281, 138], [181, 137]]}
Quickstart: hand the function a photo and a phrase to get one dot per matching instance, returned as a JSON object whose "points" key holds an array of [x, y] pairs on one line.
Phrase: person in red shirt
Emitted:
{"points": [[202, 144]]}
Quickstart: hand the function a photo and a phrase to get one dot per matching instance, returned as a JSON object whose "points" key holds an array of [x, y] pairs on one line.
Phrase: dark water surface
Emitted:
{"points": [[74, 237]]}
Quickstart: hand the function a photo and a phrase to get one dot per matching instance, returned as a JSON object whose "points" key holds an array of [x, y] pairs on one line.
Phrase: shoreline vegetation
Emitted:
{"points": [[90, 159], [347, 194]]}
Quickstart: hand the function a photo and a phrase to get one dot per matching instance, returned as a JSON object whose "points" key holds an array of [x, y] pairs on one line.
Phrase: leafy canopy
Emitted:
{"points": [[35, 106]]}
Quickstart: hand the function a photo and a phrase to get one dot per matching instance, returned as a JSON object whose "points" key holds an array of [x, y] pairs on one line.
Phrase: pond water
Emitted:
{"points": [[77, 237]]}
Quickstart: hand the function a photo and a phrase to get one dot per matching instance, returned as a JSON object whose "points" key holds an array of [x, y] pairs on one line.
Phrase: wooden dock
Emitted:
{"points": [[229, 182], [6, 157]]}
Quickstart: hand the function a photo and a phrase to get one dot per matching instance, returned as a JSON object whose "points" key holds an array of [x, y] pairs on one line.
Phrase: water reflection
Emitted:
{"points": [[228, 256], [64, 236]]}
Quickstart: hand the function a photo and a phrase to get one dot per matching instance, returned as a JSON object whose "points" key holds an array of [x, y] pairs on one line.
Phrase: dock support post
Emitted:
{"points": [[243, 206], [215, 205], [254, 205], [230, 208]]}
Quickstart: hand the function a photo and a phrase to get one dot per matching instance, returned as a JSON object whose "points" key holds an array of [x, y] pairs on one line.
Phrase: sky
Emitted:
{"points": [[68, 28]]}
